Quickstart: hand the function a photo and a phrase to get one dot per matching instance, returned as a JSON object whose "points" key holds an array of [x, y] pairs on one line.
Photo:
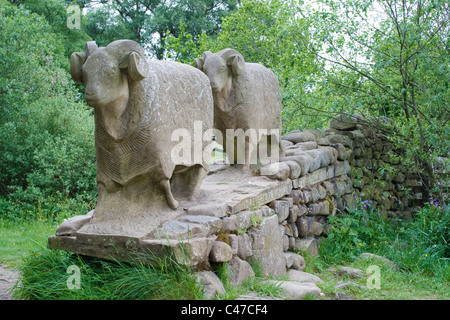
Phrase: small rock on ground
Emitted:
{"points": [[8, 279]]}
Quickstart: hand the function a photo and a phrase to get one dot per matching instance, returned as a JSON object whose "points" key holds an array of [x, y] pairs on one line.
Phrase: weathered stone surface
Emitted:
{"points": [[247, 218], [298, 136], [301, 276], [308, 244], [212, 286], [277, 170], [192, 252], [293, 213], [302, 227], [281, 208], [344, 140], [230, 223], [322, 174], [305, 161], [70, 226], [244, 246], [239, 270], [351, 272], [134, 122], [220, 252], [234, 244], [342, 153], [343, 122], [234, 84], [294, 261], [294, 169], [295, 196], [268, 247], [188, 226], [296, 290]]}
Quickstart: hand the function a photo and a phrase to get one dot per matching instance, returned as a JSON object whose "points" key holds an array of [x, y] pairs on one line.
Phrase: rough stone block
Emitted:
{"points": [[281, 208], [294, 261], [220, 252], [301, 276], [244, 246], [240, 270], [212, 286], [70, 226], [309, 244], [298, 136], [268, 248]]}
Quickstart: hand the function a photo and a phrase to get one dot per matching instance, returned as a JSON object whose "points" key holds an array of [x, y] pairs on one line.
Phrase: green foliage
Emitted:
{"points": [[47, 135], [361, 230], [389, 58], [44, 277], [422, 245], [270, 33], [55, 13], [149, 22]]}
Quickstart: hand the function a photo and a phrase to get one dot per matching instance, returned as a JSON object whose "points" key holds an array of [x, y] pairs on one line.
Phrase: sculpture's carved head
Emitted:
{"points": [[220, 66], [106, 71]]}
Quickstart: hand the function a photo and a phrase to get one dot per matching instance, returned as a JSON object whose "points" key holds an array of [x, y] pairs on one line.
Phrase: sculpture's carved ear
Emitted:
{"points": [[77, 60], [134, 65], [90, 47], [198, 63], [234, 60], [237, 64]]}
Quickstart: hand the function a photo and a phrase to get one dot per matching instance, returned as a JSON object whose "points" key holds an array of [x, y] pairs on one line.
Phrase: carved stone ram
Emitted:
{"points": [[246, 96], [138, 104]]}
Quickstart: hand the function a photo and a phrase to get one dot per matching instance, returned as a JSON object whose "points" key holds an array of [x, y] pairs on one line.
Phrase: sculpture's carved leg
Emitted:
{"points": [[165, 186], [186, 183]]}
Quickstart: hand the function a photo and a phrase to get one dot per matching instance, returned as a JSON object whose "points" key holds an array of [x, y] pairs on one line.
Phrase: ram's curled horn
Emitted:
{"points": [[233, 59], [90, 47], [77, 60], [135, 65], [199, 62]]}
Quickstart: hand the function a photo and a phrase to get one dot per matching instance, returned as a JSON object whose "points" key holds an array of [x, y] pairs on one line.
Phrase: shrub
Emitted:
{"points": [[421, 245], [360, 230]]}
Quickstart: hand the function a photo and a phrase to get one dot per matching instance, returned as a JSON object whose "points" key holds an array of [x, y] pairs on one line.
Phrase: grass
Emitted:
{"points": [[19, 237], [45, 275], [393, 285], [419, 249]]}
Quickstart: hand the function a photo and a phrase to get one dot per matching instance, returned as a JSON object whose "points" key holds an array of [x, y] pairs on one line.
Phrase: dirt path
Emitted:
{"points": [[8, 279]]}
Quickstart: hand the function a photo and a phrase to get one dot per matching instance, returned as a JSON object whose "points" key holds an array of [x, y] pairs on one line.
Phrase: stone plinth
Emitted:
{"points": [[189, 232]]}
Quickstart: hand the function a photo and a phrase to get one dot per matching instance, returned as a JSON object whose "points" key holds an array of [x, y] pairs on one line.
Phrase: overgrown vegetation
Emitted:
{"points": [[378, 58], [44, 276], [420, 246]]}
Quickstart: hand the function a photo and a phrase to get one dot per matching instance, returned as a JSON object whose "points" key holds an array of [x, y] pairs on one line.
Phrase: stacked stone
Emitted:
{"points": [[377, 174]]}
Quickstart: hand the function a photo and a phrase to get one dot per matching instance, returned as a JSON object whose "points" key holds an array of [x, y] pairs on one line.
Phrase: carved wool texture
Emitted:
{"points": [[171, 97]]}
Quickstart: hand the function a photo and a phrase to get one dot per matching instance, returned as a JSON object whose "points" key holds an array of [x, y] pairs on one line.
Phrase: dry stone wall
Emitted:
{"points": [[329, 171], [271, 214]]}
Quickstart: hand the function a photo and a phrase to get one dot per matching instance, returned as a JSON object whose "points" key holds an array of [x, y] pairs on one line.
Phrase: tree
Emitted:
{"points": [[46, 134], [265, 32], [149, 21], [55, 13], [391, 58]]}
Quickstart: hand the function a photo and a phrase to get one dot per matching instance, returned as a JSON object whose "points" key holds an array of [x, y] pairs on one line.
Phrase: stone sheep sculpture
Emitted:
{"points": [[246, 96], [138, 104]]}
